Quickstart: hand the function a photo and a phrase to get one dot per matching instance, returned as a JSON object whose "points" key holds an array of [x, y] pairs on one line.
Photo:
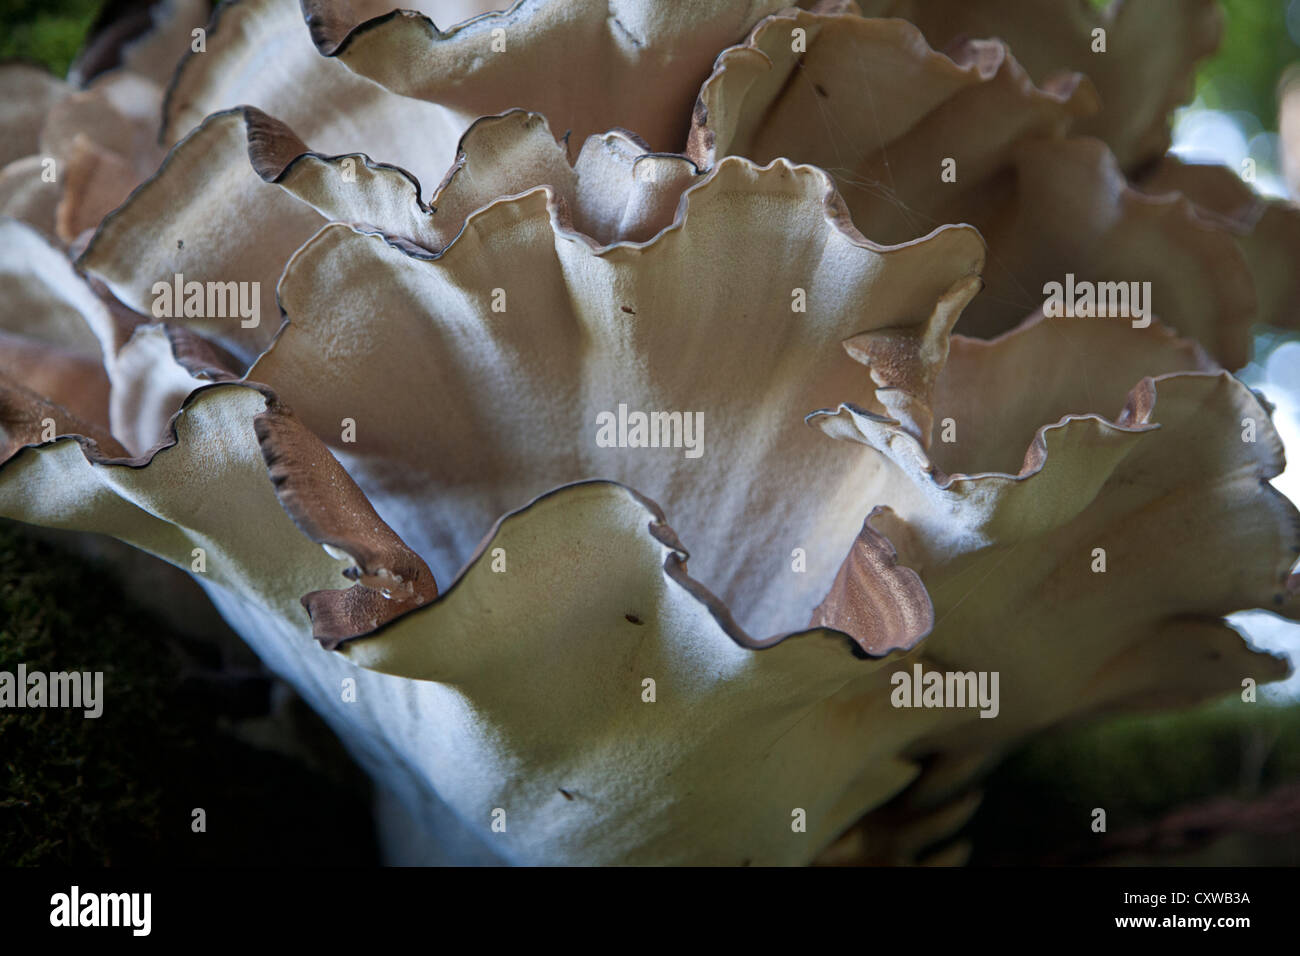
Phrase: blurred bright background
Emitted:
{"points": [[1233, 118]]}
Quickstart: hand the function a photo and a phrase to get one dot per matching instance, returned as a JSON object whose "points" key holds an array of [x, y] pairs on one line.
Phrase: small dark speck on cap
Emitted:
{"points": [[632, 619]]}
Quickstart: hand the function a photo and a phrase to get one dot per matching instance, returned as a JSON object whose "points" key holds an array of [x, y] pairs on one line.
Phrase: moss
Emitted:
{"points": [[1136, 768], [64, 773], [44, 31], [120, 788]]}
